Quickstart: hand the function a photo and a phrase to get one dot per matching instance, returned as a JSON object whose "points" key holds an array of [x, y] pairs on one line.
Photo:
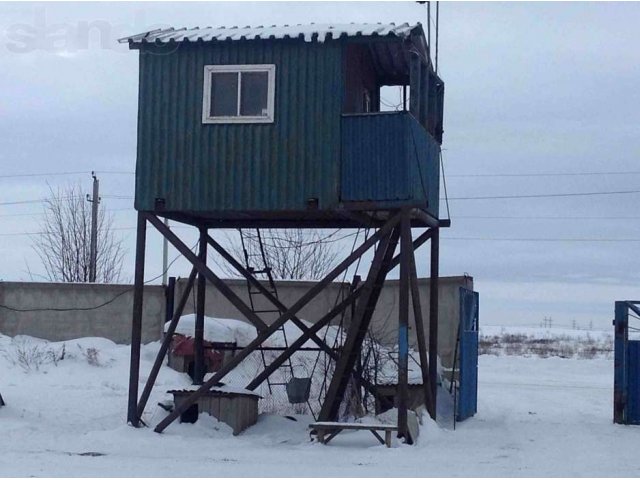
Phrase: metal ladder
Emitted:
{"points": [[264, 273]]}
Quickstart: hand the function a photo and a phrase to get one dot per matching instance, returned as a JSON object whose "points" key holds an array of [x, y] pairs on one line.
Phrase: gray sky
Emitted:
{"points": [[530, 88]]}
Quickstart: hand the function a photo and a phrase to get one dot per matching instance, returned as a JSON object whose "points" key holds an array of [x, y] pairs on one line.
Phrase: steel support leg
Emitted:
{"points": [[433, 317], [420, 333], [403, 328], [198, 339], [358, 327], [136, 324], [166, 341]]}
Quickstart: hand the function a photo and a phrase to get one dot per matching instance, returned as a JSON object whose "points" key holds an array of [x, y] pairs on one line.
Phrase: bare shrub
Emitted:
{"points": [[64, 245], [31, 356], [91, 355], [292, 254], [563, 346]]}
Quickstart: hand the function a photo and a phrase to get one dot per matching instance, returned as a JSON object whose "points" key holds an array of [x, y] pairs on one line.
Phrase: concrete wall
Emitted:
{"points": [[384, 323], [113, 320]]}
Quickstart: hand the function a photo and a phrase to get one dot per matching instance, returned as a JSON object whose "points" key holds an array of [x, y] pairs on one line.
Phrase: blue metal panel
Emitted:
{"points": [[467, 404], [620, 323], [390, 159], [632, 409], [424, 165], [374, 158]]}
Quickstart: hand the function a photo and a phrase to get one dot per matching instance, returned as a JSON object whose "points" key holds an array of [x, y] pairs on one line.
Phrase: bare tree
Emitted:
{"points": [[292, 254], [63, 245]]}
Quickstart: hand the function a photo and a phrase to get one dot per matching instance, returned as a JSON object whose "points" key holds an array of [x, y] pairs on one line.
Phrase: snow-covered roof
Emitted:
{"points": [[312, 32], [224, 390], [222, 330]]}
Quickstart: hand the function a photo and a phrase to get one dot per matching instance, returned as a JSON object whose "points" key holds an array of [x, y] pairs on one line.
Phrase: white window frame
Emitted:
{"points": [[271, 91]]}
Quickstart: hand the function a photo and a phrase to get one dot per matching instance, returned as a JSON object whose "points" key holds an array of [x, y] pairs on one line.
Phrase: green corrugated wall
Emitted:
{"points": [[207, 168]]}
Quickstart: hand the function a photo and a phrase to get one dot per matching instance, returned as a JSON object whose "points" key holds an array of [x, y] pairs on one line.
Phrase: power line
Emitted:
{"points": [[59, 174], [33, 214], [578, 240], [17, 234], [96, 307], [43, 200], [515, 217], [549, 174], [546, 195]]}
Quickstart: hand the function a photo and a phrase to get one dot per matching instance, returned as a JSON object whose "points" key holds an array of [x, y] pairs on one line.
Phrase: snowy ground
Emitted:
{"points": [[537, 417]]}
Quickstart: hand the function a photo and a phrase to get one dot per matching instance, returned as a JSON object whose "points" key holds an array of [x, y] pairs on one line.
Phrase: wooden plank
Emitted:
{"points": [[353, 426]]}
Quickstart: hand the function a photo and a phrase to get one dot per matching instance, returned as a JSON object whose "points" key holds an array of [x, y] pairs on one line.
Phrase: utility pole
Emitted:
{"points": [[93, 249]]}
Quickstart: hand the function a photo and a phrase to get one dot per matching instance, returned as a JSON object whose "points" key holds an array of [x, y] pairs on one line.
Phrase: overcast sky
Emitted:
{"points": [[531, 88]]}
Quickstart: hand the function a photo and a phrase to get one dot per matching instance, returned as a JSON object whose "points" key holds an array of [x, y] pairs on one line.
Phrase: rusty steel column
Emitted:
{"points": [[403, 327], [198, 343], [433, 317], [136, 323]]}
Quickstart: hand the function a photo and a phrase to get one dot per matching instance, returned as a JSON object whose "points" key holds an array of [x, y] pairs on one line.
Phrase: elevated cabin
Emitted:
{"points": [[238, 126]]}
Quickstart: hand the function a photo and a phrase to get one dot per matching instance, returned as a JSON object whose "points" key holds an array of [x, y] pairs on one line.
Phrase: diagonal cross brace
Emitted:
{"points": [[325, 320], [262, 336], [419, 321], [165, 344], [284, 356], [268, 295], [359, 326], [202, 268]]}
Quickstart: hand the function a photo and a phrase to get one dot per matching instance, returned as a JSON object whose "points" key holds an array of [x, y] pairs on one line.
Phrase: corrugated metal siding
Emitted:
{"points": [[374, 151], [239, 167], [389, 158], [424, 165], [309, 32]]}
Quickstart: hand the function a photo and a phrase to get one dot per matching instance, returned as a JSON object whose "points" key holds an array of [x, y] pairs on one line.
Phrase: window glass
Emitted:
{"points": [[224, 94], [253, 96]]}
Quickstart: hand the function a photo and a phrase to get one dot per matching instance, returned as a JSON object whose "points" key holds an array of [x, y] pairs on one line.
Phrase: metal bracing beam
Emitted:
{"points": [[358, 326], [634, 307], [136, 324], [295, 346], [433, 317], [402, 395], [263, 335], [198, 337], [419, 322], [202, 268], [171, 329], [265, 292]]}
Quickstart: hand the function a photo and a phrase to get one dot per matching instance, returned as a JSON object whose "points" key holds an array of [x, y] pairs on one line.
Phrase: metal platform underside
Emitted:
{"points": [[343, 218]]}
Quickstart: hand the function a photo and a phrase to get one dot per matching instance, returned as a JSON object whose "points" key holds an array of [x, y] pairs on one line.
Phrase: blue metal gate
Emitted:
{"points": [[626, 383], [467, 396]]}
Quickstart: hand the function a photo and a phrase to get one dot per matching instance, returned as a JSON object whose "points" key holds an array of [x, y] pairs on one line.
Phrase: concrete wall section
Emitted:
{"points": [[58, 311], [384, 324], [64, 311]]}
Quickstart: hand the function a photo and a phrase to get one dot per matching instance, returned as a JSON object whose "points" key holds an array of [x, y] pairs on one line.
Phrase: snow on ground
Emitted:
{"points": [[536, 417]]}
